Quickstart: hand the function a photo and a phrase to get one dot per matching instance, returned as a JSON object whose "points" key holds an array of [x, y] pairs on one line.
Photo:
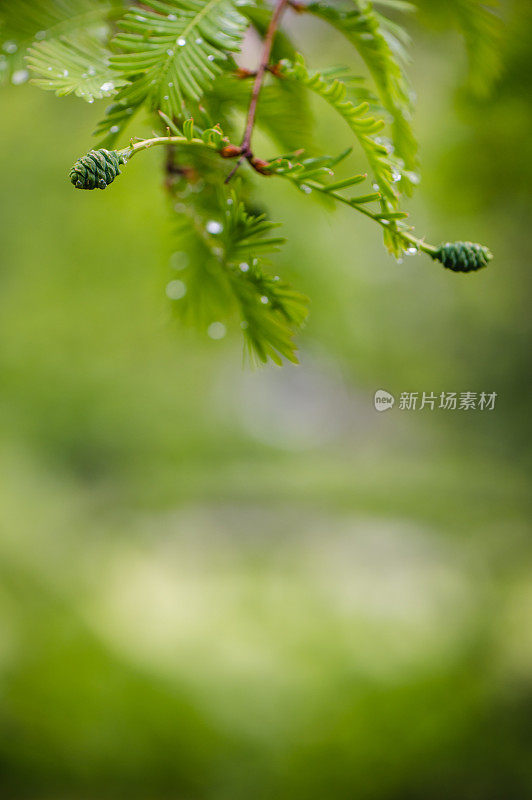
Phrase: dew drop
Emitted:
{"points": [[216, 330], [306, 189], [199, 40], [385, 142], [10, 47], [172, 17], [114, 128], [210, 57], [413, 177], [181, 41], [411, 251], [40, 35], [264, 300], [243, 267], [170, 84], [214, 227], [20, 76], [175, 290], [108, 86], [179, 260], [170, 52]]}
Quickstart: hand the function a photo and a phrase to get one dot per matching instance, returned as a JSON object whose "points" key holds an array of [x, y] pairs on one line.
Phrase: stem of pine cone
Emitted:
{"points": [[146, 144]]}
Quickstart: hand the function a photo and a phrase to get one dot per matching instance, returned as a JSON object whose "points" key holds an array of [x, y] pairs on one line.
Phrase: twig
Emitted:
{"points": [[238, 163], [244, 73], [257, 86], [296, 6]]}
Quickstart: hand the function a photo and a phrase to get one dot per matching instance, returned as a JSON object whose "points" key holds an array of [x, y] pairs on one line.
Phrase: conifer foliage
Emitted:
{"points": [[179, 62]]}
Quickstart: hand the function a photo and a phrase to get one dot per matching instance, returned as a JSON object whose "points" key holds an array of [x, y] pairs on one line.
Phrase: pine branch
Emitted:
{"points": [[74, 65], [27, 23], [176, 58], [386, 169], [271, 310], [175, 49], [310, 175], [99, 169], [223, 275], [122, 110], [382, 50]]}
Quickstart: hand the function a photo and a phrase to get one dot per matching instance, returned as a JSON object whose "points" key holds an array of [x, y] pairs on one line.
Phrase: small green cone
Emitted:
{"points": [[463, 256], [96, 170]]}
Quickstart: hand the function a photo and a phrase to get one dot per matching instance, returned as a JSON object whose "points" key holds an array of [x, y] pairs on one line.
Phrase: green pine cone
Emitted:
{"points": [[96, 170], [463, 256]]}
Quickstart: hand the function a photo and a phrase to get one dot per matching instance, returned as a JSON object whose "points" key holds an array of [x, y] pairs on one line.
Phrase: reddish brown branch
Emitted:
{"points": [[265, 60], [244, 73], [247, 153], [300, 8]]}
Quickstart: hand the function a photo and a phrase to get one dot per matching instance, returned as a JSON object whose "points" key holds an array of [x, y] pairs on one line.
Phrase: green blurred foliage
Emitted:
{"points": [[225, 584]]}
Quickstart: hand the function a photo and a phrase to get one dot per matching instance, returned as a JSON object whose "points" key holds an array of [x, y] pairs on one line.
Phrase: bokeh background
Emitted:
{"points": [[220, 584]]}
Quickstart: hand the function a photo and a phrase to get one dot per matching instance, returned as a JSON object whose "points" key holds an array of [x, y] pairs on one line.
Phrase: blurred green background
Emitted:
{"points": [[224, 584]]}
